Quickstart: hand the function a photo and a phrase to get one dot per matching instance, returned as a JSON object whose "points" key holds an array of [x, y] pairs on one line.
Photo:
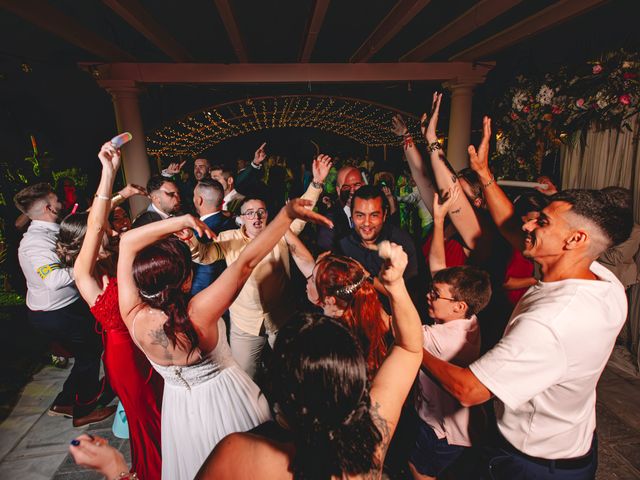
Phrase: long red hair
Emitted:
{"points": [[346, 280]]}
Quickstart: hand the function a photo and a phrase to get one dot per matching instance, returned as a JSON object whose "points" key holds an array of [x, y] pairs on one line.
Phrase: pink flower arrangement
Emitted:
{"points": [[597, 68]]}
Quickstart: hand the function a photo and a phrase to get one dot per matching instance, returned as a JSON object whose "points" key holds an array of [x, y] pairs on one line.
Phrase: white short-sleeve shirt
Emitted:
{"points": [[545, 369]]}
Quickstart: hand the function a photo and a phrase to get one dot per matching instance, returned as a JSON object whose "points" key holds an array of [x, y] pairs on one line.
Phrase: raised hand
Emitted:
{"points": [[429, 127], [260, 154], [398, 125], [174, 168], [131, 189], [321, 167], [395, 261], [551, 188], [109, 158], [441, 204], [479, 161], [301, 208]]}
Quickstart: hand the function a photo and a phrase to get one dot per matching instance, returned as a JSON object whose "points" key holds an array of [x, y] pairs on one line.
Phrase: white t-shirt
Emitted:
{"points": [[458, 342], [545, 369]]}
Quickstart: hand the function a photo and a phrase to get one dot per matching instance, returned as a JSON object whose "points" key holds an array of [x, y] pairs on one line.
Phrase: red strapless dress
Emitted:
{"points": [[136, 383]]}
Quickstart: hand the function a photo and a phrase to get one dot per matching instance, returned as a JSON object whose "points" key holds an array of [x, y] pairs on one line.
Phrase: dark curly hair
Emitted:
{"points": [[159, 271], [318, 383]]}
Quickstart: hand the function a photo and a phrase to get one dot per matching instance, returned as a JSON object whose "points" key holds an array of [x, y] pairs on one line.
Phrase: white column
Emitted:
{"points": [[459, 123], [134, 154]]}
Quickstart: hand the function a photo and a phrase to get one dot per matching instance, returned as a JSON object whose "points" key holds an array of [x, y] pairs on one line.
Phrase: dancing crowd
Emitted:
{"points": [[448, 331]]}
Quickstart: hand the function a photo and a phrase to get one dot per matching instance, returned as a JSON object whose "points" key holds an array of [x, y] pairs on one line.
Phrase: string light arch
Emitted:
{"points": [[363, 121]]}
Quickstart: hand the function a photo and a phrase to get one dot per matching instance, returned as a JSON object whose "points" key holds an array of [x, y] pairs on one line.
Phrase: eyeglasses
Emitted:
{"points": [[435, 295], [171, 194], [355, 186], [251, 214]]}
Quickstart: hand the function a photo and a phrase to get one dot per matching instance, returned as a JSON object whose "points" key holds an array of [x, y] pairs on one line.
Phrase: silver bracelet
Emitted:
{"points": [[319, 185], [102, 197]]}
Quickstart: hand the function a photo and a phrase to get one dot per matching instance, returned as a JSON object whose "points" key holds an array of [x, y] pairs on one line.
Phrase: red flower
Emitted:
{"points": [[514, 116], [580, 102], [625, 99], [597, 68], [629, 75], [556, 109], [526, 109]]}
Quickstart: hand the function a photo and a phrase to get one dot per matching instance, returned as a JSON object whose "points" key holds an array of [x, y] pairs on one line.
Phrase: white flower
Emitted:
{"points": [[519, 100], [502, 144], [545, 95], [602, 100]]}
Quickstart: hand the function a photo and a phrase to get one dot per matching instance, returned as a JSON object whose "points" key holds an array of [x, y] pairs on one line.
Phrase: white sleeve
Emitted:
{"points": [[48, 267], [527, 360]]}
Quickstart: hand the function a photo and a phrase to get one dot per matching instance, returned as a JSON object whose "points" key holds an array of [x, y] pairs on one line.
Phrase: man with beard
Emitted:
{"points": [[56, 309], [348, 181], [165, 197], [544, 370], [265, 302]]}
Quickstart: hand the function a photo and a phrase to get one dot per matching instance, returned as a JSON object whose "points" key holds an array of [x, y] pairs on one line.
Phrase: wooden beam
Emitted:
{"points": [[229, 21], [313, 29], [49, 18], [202, 73], [545, 19], [478, 15], [134, 13], [402, 13]]}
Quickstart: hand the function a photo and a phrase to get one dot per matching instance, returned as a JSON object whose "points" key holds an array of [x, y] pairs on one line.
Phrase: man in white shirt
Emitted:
{"points": [[56, 309], [545, 369]]}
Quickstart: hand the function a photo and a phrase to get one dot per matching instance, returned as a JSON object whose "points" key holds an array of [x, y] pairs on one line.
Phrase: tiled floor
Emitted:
{"points": [[34, 446]]}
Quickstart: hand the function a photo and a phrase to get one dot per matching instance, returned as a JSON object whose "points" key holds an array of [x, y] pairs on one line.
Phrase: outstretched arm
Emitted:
{"points": [[84, 266], [419, 170], [500, 207], [300, 253], [461, 212], [136, 240], [396, 375], [209, 304], [320, 168]]}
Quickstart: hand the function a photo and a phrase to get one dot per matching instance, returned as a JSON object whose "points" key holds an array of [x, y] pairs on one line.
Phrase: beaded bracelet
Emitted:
{"points": [[485, 185]]}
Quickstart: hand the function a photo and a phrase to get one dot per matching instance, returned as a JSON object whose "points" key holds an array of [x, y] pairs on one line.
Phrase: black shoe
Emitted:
{"points": [[95, 416], [61, 411]]}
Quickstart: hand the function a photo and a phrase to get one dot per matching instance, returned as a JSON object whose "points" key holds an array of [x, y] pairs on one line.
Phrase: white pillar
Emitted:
{"points": [[459, 123], [134, 154]]}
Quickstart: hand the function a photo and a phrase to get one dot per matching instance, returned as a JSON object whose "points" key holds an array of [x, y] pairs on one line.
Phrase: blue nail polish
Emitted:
{"points": [[75, 442]]}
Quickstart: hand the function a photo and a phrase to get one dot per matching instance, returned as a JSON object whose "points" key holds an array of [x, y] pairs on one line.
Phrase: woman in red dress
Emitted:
{"points": [[81, 244]]}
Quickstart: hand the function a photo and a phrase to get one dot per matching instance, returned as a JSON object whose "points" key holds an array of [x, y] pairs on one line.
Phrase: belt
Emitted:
{"points": [[559, 463]]}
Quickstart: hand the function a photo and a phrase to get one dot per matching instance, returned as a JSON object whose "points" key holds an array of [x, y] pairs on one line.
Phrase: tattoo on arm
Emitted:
{"points": [[158, 337], [453, 212], [383, 427]]}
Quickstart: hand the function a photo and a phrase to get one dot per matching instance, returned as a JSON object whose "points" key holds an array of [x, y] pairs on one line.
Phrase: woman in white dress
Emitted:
{"points": [[206, 395]]}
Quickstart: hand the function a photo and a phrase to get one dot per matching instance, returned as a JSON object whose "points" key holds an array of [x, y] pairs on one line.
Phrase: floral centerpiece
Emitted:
{"points": [[537, 115]]}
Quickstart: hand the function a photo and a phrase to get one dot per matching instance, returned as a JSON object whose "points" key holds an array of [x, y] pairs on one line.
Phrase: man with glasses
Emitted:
{"points": [[348, 181], [165, 197], [56, 309], [264, 304]]}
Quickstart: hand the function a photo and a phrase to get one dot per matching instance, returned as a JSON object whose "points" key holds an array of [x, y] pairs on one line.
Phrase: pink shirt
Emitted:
{"points": [[458, 342]]}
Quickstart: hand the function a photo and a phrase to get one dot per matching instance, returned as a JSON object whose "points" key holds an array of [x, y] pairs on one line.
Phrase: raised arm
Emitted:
{"points": [[320, 168], [396, 375], [437, 256], [209, 304], [300, 253], [136, 240], [461, 212], [500, 207], [84, 266], [419, 170]]}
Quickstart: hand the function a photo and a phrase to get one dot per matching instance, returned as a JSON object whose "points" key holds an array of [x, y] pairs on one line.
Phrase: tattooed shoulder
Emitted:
{"points": [[158, 337]]}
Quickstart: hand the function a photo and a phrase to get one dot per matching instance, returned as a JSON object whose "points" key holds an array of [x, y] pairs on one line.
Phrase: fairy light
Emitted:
{"points": [[364, 122]]}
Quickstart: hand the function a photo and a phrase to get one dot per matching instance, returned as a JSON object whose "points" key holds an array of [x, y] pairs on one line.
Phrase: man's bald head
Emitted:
{"points": [[349, 180]]}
